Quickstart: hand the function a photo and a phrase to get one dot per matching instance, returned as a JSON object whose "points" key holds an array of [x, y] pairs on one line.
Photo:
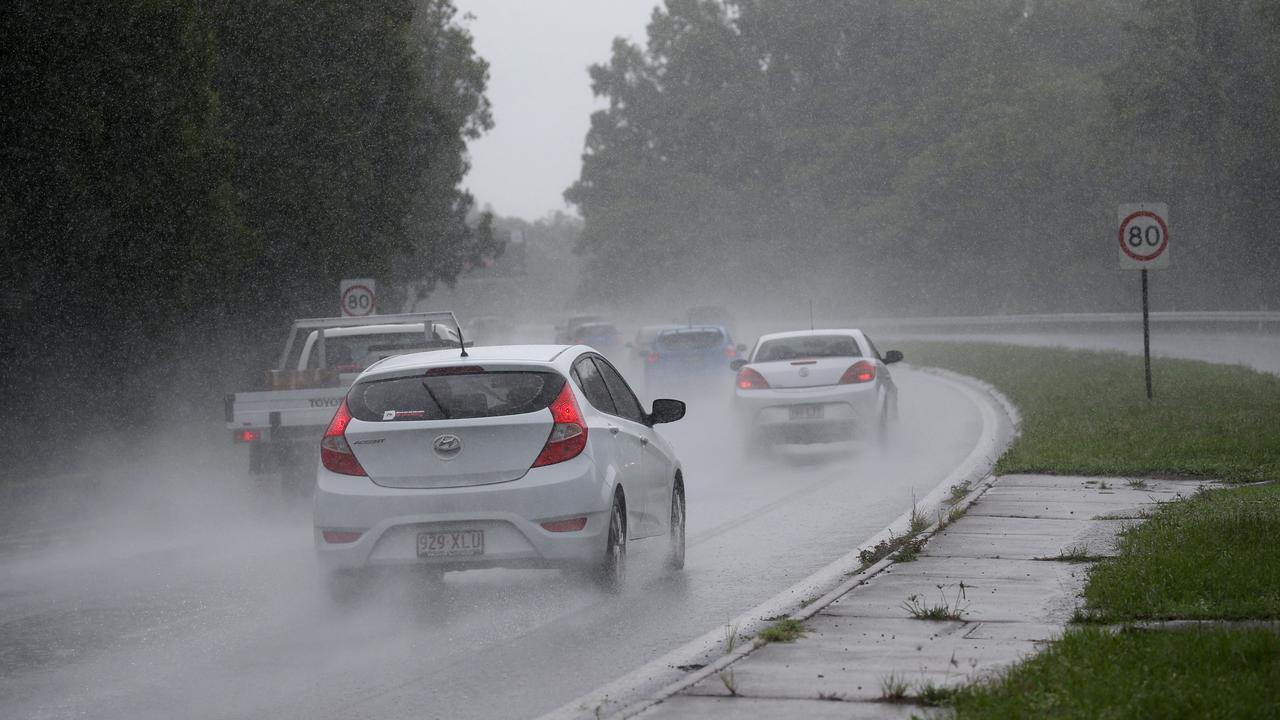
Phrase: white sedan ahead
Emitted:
{"points": [[513, 456], [814, 386]]}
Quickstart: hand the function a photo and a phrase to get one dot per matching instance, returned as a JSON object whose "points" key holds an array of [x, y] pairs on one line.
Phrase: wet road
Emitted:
{"points": [[209, 606]]}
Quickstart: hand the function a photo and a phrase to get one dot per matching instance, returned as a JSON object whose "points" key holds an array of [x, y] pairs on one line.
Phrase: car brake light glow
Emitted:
{"points": [[335, 453], [652, 357], [248, 435], [749, 379], [459, 370], [568, 434], [573, 525], [730, 352], [860, 372], [340, 537]]}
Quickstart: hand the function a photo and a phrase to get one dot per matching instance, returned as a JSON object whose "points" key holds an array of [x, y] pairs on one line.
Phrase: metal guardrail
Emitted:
{"points": [[1260, 317]]}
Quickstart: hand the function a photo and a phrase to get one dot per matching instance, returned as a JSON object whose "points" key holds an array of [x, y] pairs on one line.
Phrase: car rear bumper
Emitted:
{"points": [[774, 414], [510, 514]]}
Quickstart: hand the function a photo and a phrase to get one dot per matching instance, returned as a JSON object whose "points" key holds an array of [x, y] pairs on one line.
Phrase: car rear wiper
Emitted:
{"points": [[443, 410]]}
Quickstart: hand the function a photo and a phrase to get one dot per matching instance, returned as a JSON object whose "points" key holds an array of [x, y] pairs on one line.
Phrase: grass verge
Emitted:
{"points": [[1086, 413], [1093, 673], [1215, 555]]}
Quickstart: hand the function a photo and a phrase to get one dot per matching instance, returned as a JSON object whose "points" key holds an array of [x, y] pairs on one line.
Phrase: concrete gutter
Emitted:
{"points": [[995, 567]]}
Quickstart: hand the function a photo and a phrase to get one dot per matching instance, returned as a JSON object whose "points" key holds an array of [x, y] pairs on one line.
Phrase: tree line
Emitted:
{"points": [[180, 178], [914, 157]]}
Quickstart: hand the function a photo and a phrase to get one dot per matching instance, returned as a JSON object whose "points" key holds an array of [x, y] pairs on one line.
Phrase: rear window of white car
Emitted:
{"points": [[690, 340], [454, 394], [807, 346]]}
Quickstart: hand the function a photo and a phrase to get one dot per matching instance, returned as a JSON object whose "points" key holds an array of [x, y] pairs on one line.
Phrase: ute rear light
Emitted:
{"points": [[860, 372], [568, 434], [248, 435], [341, 537], [749, 379], [573, 525], [335, 453]]}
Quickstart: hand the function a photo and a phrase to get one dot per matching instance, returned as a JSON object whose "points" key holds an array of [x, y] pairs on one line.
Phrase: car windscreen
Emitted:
{"points": [[689, 340], [453, 394], [807, 346]]}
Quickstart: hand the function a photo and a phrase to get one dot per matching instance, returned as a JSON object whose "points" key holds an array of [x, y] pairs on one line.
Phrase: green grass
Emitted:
{"points": [[1092, 673], [1214, 555], [1086, 413], [786, 630]]}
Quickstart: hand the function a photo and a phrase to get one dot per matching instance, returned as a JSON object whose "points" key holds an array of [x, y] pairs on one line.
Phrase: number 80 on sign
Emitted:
{"points": [[1144, 236]]}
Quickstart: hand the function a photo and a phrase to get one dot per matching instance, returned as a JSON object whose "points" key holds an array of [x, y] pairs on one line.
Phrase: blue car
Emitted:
{"points": [[686, 353]]}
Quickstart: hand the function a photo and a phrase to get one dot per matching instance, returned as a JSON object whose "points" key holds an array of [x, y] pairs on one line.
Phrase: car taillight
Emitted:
{"points": [[860, 372], [340, 537], [731, 352], [652, 357], [335, 453], [248, 435], [573, 525], [568, 434], [749, 379]]}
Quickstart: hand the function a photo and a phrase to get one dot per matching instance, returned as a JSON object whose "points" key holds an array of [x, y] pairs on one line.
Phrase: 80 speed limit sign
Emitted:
{"points": [[358, 297], [1144, 236]]}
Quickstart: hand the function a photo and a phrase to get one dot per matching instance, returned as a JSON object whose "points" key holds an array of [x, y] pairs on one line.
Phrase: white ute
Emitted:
{"points": [[282, 424], [515, 456]]}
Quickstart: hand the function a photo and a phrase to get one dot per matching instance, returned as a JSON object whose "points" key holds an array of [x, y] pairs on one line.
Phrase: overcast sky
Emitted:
{"points": [[538, 53]]}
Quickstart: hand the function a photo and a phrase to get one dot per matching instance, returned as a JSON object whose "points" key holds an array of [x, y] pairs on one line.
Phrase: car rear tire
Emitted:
{"points": [[676, 532], [612, 572]]}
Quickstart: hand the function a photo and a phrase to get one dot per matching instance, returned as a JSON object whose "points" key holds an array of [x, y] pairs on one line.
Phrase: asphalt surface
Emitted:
{"points": [[198, 597]]}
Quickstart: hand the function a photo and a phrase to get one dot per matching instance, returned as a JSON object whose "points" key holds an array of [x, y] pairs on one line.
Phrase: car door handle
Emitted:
{"points": [[613, 429]]}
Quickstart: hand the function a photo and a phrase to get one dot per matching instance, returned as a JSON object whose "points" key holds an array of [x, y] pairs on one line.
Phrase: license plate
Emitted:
{"points": [[806, 412], [451, 543]]}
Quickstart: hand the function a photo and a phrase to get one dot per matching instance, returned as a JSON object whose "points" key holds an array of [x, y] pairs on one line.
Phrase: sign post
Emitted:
{"points": [[358, 297], [1144, 245]]}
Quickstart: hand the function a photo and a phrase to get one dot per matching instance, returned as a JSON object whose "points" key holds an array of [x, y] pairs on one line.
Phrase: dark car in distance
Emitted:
{"points": [[689, 353]]}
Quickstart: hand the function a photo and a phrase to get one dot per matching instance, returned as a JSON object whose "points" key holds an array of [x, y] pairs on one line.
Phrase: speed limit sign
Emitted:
{"points": [[1144, 236], [358, 297]]}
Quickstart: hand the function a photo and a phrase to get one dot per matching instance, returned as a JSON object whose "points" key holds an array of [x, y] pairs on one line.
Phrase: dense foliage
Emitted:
{"points": [[179, 179], [929, 157]]}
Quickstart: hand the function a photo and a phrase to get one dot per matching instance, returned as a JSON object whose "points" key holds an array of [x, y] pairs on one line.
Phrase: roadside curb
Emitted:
{"points": [[832, 582]]}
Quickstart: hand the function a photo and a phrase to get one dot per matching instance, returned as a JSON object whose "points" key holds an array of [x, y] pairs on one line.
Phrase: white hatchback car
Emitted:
{"points": [[516, 456], [814, 386]]}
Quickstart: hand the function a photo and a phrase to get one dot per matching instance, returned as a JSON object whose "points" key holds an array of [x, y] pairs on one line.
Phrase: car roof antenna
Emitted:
{"points": [[811, 315], [462, 342]]}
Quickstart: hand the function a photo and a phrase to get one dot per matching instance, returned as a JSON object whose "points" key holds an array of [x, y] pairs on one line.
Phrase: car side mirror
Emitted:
{"points": [[666, 410], [736, 365], [892, 356]]}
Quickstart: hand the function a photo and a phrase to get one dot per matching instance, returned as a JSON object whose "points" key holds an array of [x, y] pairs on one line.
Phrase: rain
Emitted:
{"points": [[184, 182]]}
